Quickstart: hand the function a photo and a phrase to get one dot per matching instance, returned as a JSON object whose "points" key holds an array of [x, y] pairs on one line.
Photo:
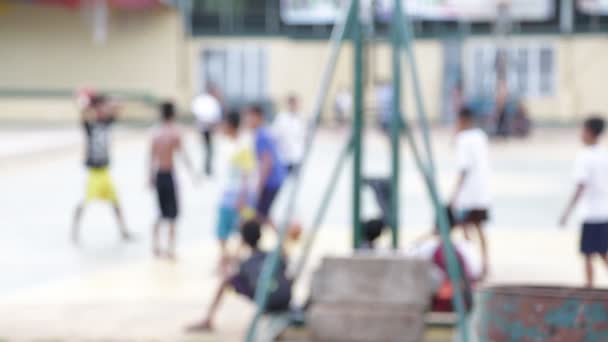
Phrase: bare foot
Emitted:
{"points": [[157, 253], [204, 326], [171, 256]]}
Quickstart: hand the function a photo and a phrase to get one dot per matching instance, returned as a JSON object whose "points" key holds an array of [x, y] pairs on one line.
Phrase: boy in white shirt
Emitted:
{"points": [[207, 110], [289, 129], [238, 195], [591, 177], [471, 198]]}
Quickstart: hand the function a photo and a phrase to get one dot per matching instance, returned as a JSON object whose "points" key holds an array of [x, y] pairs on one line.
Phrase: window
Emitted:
{"points": [[530, 70], [522, 70], [239, 72], [546, 70], [266, 17]]}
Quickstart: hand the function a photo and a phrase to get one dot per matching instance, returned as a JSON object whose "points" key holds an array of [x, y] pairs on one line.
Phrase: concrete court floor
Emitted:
{"points": [[104, 290]]}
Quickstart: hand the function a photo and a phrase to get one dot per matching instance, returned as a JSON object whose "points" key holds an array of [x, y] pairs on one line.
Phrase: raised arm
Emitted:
{"points": [[113, 109], [87, 115]]}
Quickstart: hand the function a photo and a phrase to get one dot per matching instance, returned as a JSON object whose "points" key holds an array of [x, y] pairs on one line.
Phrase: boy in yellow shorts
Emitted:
{"points": [[97, 118]]}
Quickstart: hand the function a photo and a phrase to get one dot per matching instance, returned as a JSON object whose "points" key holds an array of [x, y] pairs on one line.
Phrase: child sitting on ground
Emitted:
{"points": [[245, 280], [372, 229], [431, 248], [371, 232]]}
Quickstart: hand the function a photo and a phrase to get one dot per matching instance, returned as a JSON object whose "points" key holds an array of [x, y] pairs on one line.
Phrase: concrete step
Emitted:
{"points": [[432, 334], [362, 322], [295, 334], [390, 279], [369, 298]]}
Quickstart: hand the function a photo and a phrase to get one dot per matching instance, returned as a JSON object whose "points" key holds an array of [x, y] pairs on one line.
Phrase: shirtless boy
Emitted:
{"points": [[166, 142]]}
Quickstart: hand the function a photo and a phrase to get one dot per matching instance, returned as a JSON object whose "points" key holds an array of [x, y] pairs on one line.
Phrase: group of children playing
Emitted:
{"points": [[257, 171], [469, 205], [254, 175], [260, 159], [471, 199]]}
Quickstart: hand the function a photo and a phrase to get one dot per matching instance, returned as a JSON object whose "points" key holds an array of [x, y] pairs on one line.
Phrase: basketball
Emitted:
{"points": [[247, 213]]}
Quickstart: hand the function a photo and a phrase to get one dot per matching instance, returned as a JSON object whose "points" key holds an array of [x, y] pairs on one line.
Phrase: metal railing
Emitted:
{"points": [[263, 17], [138, 96], [401, 38]]}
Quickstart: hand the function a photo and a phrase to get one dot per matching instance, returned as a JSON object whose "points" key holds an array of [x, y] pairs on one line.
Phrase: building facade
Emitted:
{"points": [[252, 54], [49, 51]]}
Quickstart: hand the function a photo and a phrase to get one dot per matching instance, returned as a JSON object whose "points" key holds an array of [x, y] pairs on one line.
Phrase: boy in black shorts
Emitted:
{"points": [[471, 197], [245, 280], [166, 142], [591, 177]]}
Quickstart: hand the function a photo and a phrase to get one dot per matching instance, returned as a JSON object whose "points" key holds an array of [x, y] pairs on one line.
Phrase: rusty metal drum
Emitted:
{"points": [[536, 313]]}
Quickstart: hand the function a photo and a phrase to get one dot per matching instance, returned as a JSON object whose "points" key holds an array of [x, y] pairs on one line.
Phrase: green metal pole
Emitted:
{"points": [[186, 7], [272, 261], [396, 122], [322, 210], [408, 44], [428, 173], [357, 39], [454, 271]]}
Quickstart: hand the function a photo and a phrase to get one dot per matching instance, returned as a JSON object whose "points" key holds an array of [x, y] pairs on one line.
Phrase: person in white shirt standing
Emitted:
{"points": [[207, 109], [343, 106], [471, 198], [591, 177], [289, 130]]}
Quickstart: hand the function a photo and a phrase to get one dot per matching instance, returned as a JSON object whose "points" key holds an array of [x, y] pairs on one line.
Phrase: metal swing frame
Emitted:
{"points": [[402, 43]]}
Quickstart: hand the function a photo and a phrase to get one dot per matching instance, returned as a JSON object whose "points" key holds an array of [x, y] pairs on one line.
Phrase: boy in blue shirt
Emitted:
{"points": [[271, 169]]}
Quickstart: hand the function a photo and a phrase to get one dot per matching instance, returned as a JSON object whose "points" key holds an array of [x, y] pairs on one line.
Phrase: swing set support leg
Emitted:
{"points": [[357, 38]]}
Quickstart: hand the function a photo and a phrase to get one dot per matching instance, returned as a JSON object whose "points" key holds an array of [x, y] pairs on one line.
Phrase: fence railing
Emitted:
{"points": [[263, 17]]}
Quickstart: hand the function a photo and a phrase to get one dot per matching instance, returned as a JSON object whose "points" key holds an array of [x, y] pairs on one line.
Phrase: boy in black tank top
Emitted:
{"points": [[97, 119]]}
